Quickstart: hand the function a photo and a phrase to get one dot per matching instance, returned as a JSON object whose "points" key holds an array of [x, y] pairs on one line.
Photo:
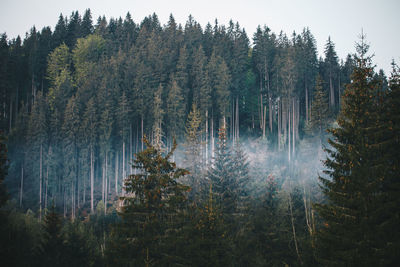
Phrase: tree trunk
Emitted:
{"points": [[106, 186], [21, 191], [306, 104], [130, 148], [279, 125], [47, 185], [40, 182], [212, 137], [123, 164], [293, 131], [142, 133], [116, 174], [294, 229], [289, 130], [237, 118], [332, 92], [91, 180]]}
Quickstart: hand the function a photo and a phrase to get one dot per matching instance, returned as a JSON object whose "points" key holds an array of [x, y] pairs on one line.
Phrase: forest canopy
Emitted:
{"points": [[92, 114]]}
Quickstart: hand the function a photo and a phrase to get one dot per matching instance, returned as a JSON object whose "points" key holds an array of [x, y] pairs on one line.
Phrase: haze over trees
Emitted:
{"points": [[92, 113]]}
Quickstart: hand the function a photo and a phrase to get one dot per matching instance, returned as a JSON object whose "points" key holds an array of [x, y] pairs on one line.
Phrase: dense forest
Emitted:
{"points": [[141, 144]]}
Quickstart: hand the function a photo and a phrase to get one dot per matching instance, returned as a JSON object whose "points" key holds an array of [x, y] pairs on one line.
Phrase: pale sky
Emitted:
{"points": [[340, 19]]}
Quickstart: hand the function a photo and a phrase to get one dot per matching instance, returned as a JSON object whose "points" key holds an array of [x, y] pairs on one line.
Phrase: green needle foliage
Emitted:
{"points": [[151, 206]]}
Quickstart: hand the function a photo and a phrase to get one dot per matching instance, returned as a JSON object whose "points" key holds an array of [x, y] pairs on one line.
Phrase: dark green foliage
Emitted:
{"points": [[319, 111], [77, 102], [357, 170], [52, 249], [151, 206]]}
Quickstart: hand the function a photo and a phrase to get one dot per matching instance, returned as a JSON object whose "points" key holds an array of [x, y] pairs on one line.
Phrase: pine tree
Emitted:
{"points": [[389, 208], [319, 111], [331, 69], [158, 114], [52, 249], [192, 159], [175, 110], [349, 235], [223, 178], [152, 205]]}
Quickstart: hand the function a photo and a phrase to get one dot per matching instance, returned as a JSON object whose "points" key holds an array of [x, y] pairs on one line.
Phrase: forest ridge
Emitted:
{"points": [[93, 112]]}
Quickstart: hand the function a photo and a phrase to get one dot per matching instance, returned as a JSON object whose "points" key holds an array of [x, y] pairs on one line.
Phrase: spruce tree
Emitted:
{"points": [[150, 210], [223, 178], [192, 158], [319, 111], [349, 236]]}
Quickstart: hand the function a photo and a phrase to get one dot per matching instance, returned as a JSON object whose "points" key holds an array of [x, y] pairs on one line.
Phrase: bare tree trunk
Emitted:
{"points": [[289, 130], [116, 174], [142, 133], [130, 149], [237, 117], [294, 229], [21, 191], [212, 137], [279, 125], [293, 131], [40, 181], [123, 164], [206, 144], [72, 202], [91, 180], [106, 186], [261, 111], [47, 185], [332, 92], [270, 113], [10, 116], [102, 183], [306, 96]]}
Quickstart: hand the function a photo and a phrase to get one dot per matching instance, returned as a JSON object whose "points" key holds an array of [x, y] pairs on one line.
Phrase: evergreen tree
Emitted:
{"points": [[192, 158], [223, 178], [151, 207], [175, 110], [319, 111], [52, 249], [350, 234]]}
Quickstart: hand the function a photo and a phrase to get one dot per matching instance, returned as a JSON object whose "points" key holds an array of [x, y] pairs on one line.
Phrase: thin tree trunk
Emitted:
{"points": [[264, 120], [206, 144], [279, 125], [72, 202], [40, 182], [91, 180], [306, 104], [106, 187], [47, 185], [130, 148], [21, 192], [123, 164], [142, 133], [10, 116], [332, 92], [293, 131], [102, 183], [212, 137], [289, 130], [294, 229], [116, 174], [237, 118]]}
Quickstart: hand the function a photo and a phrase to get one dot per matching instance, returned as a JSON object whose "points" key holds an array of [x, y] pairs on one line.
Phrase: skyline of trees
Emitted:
{"points": [[93, 114]]}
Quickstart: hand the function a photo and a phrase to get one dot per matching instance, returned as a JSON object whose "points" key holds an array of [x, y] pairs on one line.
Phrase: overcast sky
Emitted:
{"points": [[340, 19]]}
